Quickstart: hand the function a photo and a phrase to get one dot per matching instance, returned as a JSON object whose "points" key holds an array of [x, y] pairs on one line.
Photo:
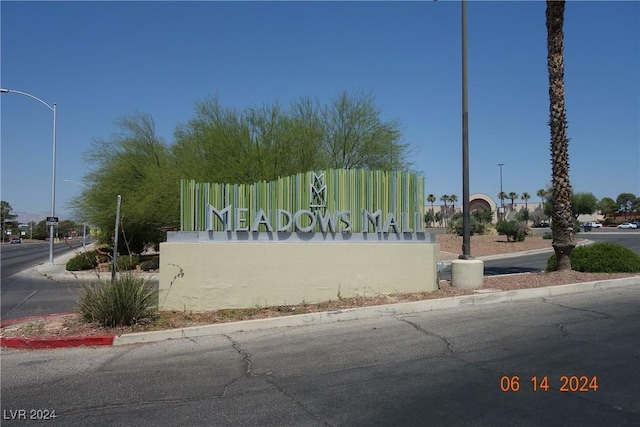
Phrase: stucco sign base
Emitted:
{"points": [[210, 275]]}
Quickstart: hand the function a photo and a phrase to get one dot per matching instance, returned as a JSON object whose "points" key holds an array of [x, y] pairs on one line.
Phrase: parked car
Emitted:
{"points": [[627, 225], [594, 224], [15, 240]]}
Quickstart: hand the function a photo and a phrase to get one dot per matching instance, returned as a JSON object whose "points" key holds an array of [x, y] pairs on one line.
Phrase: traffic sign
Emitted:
{"points": [[52, 220]]}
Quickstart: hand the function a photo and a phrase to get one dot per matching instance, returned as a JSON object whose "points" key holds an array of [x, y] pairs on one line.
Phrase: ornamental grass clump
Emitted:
{"points": [[601, 257], [127, 300]]}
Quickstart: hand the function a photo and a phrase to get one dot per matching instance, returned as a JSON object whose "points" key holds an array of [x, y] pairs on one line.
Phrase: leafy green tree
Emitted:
{"points": [[608, 207], [522, 215], [136, 165], [356, 136], [224, 145], [625, 201], [9, 223], [635, 205], [583, 204], [561, 214], [40, 230]]}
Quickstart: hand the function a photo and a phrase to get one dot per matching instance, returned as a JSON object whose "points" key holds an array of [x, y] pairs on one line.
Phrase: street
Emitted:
{"points": [[27, 293], [446, 367]]}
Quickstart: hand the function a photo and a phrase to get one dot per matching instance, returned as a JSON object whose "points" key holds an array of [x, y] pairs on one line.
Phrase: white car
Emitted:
{"points": [[627, 225], [595, 224]]}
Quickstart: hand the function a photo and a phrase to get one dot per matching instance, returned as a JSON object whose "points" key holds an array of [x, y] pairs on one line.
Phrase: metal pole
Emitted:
{"points": [[466, 215], [501, 197], [53, 172], [53, 185], [115, 242]]}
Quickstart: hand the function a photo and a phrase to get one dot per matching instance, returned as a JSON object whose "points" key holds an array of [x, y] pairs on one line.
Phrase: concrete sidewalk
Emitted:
{"points": [[58, 270]]}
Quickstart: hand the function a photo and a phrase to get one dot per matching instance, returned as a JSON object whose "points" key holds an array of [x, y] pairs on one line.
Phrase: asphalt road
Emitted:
{"points": [[538, 262], [19, 257], [446, 367], [29, 293]]}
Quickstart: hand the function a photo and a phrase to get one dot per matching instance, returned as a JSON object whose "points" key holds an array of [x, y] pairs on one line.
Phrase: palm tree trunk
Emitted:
{"points": [[562, 219]]}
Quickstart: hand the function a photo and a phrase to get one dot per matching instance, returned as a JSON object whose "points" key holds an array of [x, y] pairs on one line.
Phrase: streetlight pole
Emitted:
{"points": [[501, 196], [466, 215], [53, 162]]}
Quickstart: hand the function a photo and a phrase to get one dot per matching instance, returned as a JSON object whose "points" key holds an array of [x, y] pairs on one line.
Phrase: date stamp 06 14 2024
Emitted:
{"points": [[567, 383]]}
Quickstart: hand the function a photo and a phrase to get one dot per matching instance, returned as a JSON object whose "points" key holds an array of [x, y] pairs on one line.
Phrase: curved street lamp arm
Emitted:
{"points": [[29, 95]]}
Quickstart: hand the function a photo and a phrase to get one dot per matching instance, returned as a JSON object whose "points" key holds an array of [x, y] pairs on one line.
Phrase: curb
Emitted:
{"points": [[316, 318], [583, 242]]}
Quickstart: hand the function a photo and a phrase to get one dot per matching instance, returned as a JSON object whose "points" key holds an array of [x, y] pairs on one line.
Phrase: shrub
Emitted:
{"points": [[547, 235], [601, 257], [124, 301], [514, 230], [83, 261], [86, 260], [475, 227], [150, 264], [127, 262]]}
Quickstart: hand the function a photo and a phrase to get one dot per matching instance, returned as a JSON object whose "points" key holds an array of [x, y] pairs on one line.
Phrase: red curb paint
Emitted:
{"points": [[58, 342]]}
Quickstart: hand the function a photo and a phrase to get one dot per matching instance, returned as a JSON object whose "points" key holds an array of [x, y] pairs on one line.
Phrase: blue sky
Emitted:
{"points": [[101, 61]]}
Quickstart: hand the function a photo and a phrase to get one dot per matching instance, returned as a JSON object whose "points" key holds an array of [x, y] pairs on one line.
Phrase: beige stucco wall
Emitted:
{"points": [[245, 274]]}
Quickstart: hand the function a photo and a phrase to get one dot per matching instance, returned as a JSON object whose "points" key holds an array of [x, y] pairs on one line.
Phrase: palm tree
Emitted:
{"points": [[561, 217], [513, 196], [453, 199], [444, 199], [431, 199], [542, 193], [525, 196]]}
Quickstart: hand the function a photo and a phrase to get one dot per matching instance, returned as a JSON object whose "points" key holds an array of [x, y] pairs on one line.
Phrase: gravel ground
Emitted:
{"points": [[450, 247]]}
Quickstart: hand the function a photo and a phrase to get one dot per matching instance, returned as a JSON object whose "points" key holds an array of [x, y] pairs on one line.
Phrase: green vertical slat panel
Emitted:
{"points": [[353, 190]]}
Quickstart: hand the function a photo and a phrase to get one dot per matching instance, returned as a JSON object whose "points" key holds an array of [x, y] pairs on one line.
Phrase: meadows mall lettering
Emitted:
{"points": [[328, 222]]}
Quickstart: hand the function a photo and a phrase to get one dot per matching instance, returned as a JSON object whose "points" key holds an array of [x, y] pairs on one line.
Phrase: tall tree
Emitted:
{"points": [[445, 199], [513, 196], [136, 165], [562, 219], [583, 204], [608, 207], [431, 198], [625, 201], [9, 223], [525, 196], [453, 199], [542, 193], [356, 137]]}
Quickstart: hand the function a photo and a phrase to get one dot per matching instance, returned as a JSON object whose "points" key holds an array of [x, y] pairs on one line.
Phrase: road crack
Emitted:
{"points": [[431, 334]]}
